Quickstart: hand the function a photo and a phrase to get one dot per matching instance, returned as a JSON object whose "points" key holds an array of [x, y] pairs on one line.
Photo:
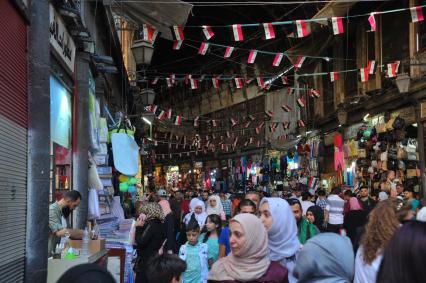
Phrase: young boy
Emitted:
{"points": [[165, 268], [195, 255]]}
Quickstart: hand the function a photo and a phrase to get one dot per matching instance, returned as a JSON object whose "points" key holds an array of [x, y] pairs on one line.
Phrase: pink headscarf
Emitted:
{"points": [[252, 261], [165, 206], [354, 204]]}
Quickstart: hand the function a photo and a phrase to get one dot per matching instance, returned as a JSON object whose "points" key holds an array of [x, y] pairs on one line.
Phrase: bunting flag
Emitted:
{"points": [[177, 45], [234, 144], [392, 69], [299, 62], [248, 81], [364, 74], [277, 59], [302, 28], [203, 48], [269, 31], [152, 108], [313, 93], [334, 76], [169, 82], [252, 56], [261, 124], [177, 32], [155, 142], [228, 51], [178, 120], [228, 134], [208, 32], [251, 117], [196, 121], [286, 125], [301, 102], [215, 82], [258, 130], [177, 146], [269, 113], [251, 140], [258, 143], [286, 108], [372, 21], [268, 86], [238, 32], [416, 14], [222, 146], [371, 67], [301, 123], [246, 125], [169, 114], [273, 127], [260, 82], [238, 82], [194, 83], [246, 144], [284, 79], [149, 33], [162, 115], [233, 122], [337, 23], [155, 81], [290, 90]]}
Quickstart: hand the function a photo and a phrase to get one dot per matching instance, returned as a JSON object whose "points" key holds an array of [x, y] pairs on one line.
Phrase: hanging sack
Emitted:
{"points": [[94, 181], [380, 128], [125, 152], [398, 123]]}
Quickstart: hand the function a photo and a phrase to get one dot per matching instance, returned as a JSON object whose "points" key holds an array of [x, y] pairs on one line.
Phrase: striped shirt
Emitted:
{"points": [[227, 207]]}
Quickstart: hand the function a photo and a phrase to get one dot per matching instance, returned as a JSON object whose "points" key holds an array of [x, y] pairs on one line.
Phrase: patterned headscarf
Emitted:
{"points": [[152, 210]]}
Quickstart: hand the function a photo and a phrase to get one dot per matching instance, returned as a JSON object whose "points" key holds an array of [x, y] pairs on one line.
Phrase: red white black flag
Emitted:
{"points": [[299, 62], [203, 48], [149, 33], [269, 31], [238, 32], [416, 14], [337, 23], [194, 83], [372, 21], [228, 51], [277, 60], [177, 32], [334, 76], [208, 32], [302, 28], [177, 44], [286, 108], [215, 82], [269, 113], [252, 56], [238, 82]]}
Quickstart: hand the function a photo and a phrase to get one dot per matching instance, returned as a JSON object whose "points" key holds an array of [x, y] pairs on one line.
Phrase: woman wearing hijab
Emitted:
{"points": [[214, 206], [169, 225], [326, 258], [197, 211], [280, 223], [149, 238], [354, 220], [315, 216], [248, 260]]}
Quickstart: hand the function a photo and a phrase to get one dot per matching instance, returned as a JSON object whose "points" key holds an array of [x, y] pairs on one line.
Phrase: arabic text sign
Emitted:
{"points": [[61, 41]]}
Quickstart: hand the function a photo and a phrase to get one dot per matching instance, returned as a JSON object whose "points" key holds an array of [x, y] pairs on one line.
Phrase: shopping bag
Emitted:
{"points": [[125, 153]]}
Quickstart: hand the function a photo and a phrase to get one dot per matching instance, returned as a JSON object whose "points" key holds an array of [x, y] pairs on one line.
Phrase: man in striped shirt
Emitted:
{"points": [[335, 215], [226, 203]]}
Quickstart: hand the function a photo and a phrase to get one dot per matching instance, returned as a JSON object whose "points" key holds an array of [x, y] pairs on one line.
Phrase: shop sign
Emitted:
{"points": [[198, 164], [351, 131], [407, 113], [61, 41], [60, 113]]}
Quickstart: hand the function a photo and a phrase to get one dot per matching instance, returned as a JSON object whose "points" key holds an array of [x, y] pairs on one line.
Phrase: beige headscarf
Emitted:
{"points": [[252, 261], [217, 209]]}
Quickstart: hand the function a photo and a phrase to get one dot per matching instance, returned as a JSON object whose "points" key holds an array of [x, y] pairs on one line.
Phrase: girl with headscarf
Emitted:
{"points": [[315, 216], [197, 211], [354, 220], [169, 225], [326, 258], [149, 238], [214, 206], [280, 223], [248, 260]]}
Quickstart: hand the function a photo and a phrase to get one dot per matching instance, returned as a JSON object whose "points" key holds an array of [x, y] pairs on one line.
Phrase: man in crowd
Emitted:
{"points": [[305, 230], [306, 202], [254, 197], [400, 190], [346, 197], [205, 198], [335, 213], [58, 219], [226, 203], [366, 201]]}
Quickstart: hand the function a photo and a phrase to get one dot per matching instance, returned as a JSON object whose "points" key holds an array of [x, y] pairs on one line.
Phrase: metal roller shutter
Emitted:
{"points": [[13, 143]]}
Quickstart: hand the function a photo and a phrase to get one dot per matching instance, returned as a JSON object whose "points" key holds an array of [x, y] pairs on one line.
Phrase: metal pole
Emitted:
{"points": [[421, 149]]}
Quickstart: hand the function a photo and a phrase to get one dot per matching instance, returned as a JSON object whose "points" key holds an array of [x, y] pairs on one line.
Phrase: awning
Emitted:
{"points": [[161, 15]]}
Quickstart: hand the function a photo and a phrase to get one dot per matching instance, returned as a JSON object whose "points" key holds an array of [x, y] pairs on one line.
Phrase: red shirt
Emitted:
{"points": [[185, 206]]}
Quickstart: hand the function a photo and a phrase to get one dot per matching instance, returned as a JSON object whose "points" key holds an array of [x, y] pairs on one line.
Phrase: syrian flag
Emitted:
{"points": [[203, 48], [228, 51], [284, 79], [251, 140], [269, 113], [334, 76], [261, 124], [246, 125], [169, 82], [372, 22], [302, 28], [215, 82], [194, 83], [290, 90], [162, 115], [314, 93], [177, 44], [277, 59], [370, 67], [299, 62], [257, 130], [301, 102], [238, 32], [273, 127], [248, 81], [286, 125], [234, 144], [152, 108], [238, 82], [393, 69], [233, 122], [416, 14], [154, 82], [169, 114], [196, 121], [252, 56], [149, 33], [214, 123], [269, 30], [223, 146], [337, 23], [228, 134], [364, 74], [260, 82], [177, 32], [208, 32], [301, 123], [286, 108]]}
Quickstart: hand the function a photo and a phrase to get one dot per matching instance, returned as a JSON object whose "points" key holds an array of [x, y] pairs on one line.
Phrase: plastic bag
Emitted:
{"points": [[125, 152]]}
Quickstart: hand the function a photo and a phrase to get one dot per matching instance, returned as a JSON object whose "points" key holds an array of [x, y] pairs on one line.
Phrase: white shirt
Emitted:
{"points": [[366, 273], [305, 205], [336, 209]]}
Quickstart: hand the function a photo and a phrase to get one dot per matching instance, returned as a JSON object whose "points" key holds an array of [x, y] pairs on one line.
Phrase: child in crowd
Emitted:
{"points": [[213, 228], [195, 254], [165, 268]]}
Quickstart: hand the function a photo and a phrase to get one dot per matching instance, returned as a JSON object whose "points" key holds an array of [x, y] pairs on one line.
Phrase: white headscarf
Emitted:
{"points": [[201, 218], [218, 209], [283, 241], [421, 215], [251, 262]]}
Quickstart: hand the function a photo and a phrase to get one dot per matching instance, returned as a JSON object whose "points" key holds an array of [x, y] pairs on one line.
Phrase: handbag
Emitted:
{"points": [[411, 173], [401, 153], [411, 164], [392, 152]]}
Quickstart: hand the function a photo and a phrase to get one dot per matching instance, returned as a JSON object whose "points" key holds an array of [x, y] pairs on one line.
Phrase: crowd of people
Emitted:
{"points": [[343, 236]]}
